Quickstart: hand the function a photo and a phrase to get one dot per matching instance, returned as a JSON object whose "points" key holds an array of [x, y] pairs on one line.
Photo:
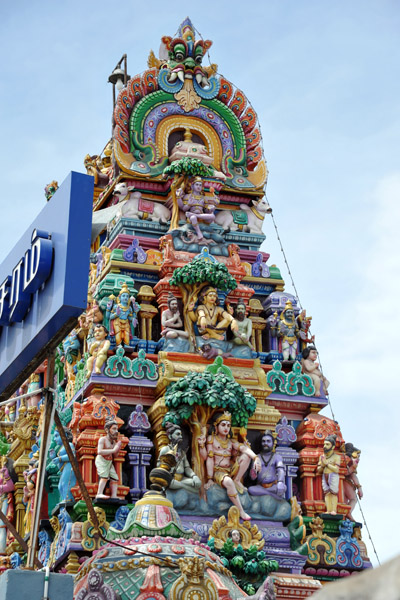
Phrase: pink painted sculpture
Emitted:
{"points": [[351, 484]]}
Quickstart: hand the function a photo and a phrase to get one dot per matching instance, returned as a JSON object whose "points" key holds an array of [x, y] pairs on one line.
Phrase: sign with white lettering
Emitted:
{"points": [[43, 282]]}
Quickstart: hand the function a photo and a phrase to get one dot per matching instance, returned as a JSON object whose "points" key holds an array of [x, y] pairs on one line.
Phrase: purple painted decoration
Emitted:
{"points": [[138, 421], [96, 589], [135, 253], [260, 269], [285, 433], [139, 455]]}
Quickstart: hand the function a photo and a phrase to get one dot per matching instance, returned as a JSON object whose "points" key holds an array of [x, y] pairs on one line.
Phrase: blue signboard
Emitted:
{"points": [[44, 281]]}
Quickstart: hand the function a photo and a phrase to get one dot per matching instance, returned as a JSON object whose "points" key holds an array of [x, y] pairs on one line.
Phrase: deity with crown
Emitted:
{"points": [[226, 459], [123, 317], [288, 330]]}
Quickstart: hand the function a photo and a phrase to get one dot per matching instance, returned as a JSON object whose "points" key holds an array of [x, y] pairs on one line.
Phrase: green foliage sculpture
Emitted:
{"points": [[249, 567], [196, 397], [193, 277]]}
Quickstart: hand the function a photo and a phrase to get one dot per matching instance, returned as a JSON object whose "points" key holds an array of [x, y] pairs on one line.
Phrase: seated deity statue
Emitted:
{"points": [[211, 319], [311, 367], [271, 477], [171, 321], [226, 459], [184, 476], [197, 207], [98, 350]]}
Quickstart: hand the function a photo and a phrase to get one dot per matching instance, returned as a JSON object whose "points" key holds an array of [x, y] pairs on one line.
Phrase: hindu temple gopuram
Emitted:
{"points": [[189, 390]]}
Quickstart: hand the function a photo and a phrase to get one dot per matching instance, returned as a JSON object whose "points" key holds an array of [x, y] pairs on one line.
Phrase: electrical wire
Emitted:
{"points": [[367, 528], [329, 401]]}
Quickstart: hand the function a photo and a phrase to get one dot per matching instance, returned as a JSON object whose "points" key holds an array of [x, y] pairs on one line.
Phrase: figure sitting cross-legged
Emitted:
{"points": [[226, 459]]}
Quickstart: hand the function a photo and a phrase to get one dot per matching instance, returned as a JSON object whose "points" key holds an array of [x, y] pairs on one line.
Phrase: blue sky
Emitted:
{"points": [[324, 80]]}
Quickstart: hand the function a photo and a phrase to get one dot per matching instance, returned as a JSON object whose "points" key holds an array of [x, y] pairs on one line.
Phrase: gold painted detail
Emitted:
{"points": [[143, 562], [187, 97], [221, 528]]}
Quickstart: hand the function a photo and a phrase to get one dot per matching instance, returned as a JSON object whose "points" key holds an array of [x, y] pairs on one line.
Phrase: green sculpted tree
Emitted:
{"points": [[197, 396], [196, 275]]}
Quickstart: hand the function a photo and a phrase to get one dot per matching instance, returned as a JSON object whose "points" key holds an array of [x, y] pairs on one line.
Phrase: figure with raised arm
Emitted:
{"points": [[108, 448], [226, 459], [123, 316]]}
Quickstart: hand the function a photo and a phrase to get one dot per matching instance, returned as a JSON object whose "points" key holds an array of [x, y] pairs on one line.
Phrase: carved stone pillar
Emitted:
{"points": [[139, 455]]}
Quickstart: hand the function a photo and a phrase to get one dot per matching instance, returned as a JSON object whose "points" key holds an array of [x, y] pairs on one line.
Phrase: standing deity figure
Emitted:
{"points": [[171, 321], [61, 460], [98, 350], [311, 367], [328, 466], [287, 329], [196, 206], [271, 476], [123, 317], [30, 477], [72, 353], [107, 449], [226, 460], [6, 500], [184, 477], [351, 484], [304, 324], [211, 319], [242, 335]]}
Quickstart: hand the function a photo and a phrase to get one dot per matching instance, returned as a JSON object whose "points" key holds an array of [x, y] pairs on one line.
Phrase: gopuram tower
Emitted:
{"points": [[189, 347]]}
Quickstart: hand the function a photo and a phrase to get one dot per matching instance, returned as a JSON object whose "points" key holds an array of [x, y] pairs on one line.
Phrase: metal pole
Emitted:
{"points": [[75, 467], [44, 448], [19, 539]]}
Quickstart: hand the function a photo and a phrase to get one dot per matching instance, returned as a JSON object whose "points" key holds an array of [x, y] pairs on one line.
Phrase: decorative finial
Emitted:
{"points": [[187, 136]]}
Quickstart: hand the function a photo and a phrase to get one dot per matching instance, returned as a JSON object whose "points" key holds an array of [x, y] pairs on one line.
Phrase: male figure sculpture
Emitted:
{"points": [[123, 317], [211, 319], [107, 449], [351, 484], [172, 325], [288, 330], [197, 207], [328, 466], [184, 478], [311, 367], [271, 477], [226, 460], [242, 335]]}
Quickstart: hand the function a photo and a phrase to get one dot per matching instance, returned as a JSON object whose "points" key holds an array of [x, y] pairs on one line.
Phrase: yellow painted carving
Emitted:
{"points": [[197, 126], [187, 97], [259, 176], [221, 529]]}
